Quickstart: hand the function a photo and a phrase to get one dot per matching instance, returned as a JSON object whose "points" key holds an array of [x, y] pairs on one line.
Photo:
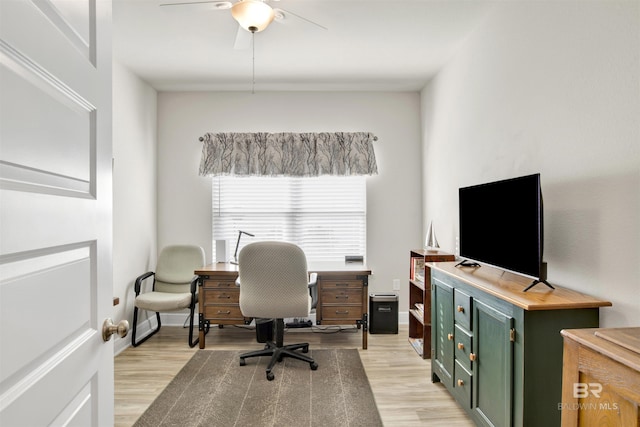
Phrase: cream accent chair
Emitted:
{"points": [[274, 284], [174, 287]]}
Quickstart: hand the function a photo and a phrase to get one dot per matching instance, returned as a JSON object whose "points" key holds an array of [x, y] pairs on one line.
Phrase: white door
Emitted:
{"points": [[55, 213]]}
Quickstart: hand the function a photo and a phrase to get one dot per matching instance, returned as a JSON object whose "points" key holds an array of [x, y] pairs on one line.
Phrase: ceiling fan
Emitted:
{"points": [[253, 16]]}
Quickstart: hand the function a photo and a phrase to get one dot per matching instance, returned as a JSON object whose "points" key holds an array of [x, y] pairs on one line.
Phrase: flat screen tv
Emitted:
{"points": [[501, 224]]}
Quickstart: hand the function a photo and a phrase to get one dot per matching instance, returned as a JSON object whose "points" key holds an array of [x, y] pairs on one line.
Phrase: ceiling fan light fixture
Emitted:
{"points": [[252, 15]]}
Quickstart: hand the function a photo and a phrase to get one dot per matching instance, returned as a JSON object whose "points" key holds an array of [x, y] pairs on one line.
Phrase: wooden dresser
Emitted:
{"points": [[601, 377]]}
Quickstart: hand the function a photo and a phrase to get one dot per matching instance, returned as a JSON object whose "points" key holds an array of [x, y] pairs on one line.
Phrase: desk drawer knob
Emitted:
{"points": [[460, 309], [472, 357], [460, 346], [450, 337], [460, 383]]}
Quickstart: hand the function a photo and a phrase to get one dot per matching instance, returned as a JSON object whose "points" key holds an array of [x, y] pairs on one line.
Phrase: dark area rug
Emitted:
{"points": [[214, 390]]}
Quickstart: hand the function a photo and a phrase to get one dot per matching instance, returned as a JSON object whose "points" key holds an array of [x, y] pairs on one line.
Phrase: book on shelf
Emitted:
{"points": [[418, 270]]}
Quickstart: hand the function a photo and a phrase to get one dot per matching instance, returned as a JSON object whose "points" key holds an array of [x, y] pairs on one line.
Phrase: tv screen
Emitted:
{"points": [[501, 224]]}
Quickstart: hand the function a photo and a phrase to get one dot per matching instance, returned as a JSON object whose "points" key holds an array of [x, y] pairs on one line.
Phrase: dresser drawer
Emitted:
{"points": [[348, 313], [342, 296], [328, 285], [462, 385], [223, 312], [462, 309], [221, 283], [463, 342], [222, 296]]}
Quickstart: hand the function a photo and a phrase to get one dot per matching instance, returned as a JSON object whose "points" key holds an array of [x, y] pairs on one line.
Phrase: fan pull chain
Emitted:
{"points": [[253, 62]]}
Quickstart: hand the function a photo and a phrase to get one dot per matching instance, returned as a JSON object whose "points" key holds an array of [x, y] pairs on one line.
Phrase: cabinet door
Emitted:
{"points": [[492, 365], [442, 333]]}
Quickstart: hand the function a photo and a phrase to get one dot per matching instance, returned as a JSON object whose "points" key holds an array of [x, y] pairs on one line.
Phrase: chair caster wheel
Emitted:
{"points": [[314, 366], [270, 376], [220, 326], [242, 362]]}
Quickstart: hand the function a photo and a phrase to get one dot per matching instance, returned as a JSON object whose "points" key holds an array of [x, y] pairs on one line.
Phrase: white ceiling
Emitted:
{"points": [[375, 45]]}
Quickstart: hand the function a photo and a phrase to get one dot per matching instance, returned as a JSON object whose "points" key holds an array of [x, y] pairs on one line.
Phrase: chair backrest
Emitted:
{"points": [[175, 267], [273, 280]]}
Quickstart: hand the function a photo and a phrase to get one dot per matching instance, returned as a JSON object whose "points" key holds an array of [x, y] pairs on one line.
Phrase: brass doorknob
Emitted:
{"points": [[472, 357], [460, 309], [108, 329], [460, 346], [460, 383], [449, 337]]}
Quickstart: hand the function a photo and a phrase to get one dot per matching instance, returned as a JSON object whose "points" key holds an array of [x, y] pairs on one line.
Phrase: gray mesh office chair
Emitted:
{"points": [[274, 285]]}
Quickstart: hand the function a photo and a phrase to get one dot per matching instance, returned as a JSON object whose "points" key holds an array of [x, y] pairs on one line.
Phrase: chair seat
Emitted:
{"points": [[163, 301]]}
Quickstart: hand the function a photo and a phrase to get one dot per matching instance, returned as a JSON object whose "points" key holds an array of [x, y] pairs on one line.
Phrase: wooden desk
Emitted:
{"points": [[601, 377], [342, 296]]}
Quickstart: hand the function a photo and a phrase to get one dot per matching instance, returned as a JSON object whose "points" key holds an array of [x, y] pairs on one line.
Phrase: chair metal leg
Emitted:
{"points": [[135, 328]]}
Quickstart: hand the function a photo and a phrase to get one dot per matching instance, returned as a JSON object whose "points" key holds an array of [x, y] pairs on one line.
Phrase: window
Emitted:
{"points": [[325, 216]]}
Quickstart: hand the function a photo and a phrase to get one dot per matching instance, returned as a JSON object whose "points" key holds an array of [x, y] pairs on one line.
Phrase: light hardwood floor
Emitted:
{"points": [[399, 378]]}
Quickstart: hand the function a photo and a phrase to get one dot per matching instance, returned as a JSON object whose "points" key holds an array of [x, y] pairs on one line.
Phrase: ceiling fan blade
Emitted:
{"points": [[210, 4], [243, 39], [281, 14]]}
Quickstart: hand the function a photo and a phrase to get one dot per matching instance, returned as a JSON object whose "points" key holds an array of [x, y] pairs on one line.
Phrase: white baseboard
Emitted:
{"points": [[179, 319]]}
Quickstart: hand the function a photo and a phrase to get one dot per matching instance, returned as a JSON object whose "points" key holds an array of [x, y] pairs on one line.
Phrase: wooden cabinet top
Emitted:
{"points": [[433, 255], [619, 344], [326, 268], [509, 287]]}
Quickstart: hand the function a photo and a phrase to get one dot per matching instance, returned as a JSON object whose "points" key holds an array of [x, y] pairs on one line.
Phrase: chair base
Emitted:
{"points": [[278, 351]]}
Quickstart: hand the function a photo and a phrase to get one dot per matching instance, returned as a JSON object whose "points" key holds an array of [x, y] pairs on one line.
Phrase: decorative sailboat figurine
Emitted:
{"points": [[431, 242]]}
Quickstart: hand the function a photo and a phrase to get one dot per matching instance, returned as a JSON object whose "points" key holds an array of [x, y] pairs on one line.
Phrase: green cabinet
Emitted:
{"points": [[497, 349]]}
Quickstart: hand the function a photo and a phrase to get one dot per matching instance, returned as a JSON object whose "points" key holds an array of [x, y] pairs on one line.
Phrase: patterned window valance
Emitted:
{"points": [[288, 154]]}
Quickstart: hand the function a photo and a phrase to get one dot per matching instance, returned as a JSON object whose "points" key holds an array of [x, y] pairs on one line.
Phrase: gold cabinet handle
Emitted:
{"points": [[460, 309], [460, 383], [224, 312], [472, 357], [342, 311], [460, 346], [450, 337]]}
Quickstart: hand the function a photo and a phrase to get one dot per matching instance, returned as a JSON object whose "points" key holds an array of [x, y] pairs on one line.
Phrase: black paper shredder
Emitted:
{"points": [[383, 313]]}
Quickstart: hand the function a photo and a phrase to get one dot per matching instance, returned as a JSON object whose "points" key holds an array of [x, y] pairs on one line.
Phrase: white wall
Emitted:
{"points": [[394, 216], [549, 87], [134, 187]]}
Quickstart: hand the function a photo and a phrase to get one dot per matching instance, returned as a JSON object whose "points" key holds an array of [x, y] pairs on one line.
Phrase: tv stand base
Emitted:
{"points": [[466, 263], [535, 282]]}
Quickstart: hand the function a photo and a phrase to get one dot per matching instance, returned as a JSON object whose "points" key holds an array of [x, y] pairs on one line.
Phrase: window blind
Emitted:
{"points": [[325, 216]]}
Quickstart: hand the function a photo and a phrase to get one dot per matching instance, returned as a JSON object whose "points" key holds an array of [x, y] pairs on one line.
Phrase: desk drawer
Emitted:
{"points": [[222, 296], [221, 283], [350, 313], [340, 284], [342, 296], [223, 312]]}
